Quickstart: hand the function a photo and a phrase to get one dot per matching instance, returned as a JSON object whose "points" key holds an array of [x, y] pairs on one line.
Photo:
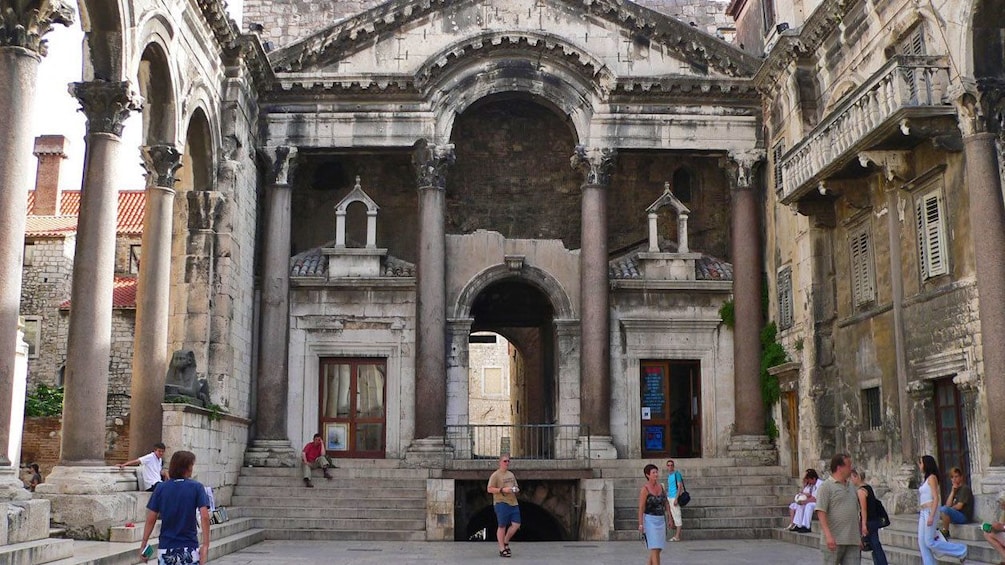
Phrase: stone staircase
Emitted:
{"points": [[900, 542], [368, 499], [730, 500]]}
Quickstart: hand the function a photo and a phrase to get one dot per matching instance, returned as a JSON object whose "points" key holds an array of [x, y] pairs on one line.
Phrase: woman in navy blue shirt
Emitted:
{"points": [[176, 502]]}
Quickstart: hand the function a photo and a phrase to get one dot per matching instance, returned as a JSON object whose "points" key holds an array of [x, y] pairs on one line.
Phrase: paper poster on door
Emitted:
{"points": [[647, 413]]}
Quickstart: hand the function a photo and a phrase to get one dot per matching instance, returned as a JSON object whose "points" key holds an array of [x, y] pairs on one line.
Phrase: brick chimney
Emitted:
{"points": [[51, 151]]}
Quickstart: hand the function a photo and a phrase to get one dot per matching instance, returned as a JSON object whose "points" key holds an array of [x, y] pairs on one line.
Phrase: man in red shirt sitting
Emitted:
{"points": [[313, 457]]}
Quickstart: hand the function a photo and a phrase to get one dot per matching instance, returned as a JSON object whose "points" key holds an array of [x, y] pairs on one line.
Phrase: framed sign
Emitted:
{"points": [[337, 437]]}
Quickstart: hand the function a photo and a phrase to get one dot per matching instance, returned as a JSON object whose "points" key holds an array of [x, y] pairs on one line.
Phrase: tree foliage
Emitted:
{"points": [[44, 401]]}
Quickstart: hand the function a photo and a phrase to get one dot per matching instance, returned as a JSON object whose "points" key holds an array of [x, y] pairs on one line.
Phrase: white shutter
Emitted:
{"points": [[931, 236], [863, 287], [785, 315]]}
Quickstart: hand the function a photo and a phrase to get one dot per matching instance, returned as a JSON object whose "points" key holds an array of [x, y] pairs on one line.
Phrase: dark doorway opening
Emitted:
{"points": [[671, 408], [951, 432], [554, 519]]}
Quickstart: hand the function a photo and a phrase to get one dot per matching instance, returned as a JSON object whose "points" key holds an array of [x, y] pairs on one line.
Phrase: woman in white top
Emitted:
{"points": [[801, 509], [929, 540]]}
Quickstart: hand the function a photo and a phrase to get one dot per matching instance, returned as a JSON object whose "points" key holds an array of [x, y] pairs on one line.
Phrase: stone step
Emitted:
{"points": [[323, 523], [715, 482], [717, 501], [333, 499], [702, 535], [340, 481], [46, 550], [353, 467], [355, 534], [325, 489], [626, 469], [683, 462], [630, 495], [108, 553], [692, 513], [315, 512], [714, 523]]}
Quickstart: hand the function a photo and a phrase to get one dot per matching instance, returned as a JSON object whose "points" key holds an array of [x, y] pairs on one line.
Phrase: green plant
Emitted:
{"points": [[772, 354], [728, 313], [799, 344], [44, 401], [216, 411]]}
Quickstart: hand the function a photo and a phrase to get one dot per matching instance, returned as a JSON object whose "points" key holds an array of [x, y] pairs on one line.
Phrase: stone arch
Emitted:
{"points": [[534, 276], [104, 48], [156, 85]]}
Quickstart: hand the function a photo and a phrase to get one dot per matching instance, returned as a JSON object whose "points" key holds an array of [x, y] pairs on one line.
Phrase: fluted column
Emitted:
{"points": [[596, 164], [22, 27], [106, 105], [272, 378], [150, 355], [746, 255], [431, 163], [987, 216]]}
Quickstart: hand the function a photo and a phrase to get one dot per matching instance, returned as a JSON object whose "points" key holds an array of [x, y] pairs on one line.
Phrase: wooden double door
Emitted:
{"points": [[352, 412], [671, 408]]}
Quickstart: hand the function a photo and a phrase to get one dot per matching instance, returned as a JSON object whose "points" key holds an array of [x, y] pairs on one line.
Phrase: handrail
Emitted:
{"points": [[520, 441]]}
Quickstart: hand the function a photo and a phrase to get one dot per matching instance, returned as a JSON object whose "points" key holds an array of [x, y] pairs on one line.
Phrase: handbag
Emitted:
{"points": [[866, 545], [683, 497]]}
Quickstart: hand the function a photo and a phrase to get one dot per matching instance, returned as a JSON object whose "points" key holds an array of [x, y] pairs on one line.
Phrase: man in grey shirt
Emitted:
{"points": [[838, 513]]}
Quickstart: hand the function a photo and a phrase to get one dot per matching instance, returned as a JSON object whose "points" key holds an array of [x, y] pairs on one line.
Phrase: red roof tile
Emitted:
{"points": [[123, 294], [50, 226], [130, 221]]}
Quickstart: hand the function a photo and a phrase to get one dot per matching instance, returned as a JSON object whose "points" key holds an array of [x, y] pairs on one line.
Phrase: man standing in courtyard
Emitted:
{"points": [[837, 511], [153, 467], [503, 488], [313, 457]]}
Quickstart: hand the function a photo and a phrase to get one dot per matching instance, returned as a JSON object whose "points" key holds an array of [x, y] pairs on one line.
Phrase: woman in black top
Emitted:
{"points": [[870, 522], [653, 506]]}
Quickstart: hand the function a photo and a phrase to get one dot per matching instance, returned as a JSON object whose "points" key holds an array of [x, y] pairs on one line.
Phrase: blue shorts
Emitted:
{"points": [[955, 516], [506, 514]]}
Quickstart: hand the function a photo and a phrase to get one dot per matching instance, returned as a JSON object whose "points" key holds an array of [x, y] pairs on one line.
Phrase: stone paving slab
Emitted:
{"points": [[726, 552]]}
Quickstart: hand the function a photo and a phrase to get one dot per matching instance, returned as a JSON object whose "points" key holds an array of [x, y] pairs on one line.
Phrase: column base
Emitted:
{"points": [[11, 486], [429, 453], [752, 449], [270, 453], [596, 447], [90, 500]]}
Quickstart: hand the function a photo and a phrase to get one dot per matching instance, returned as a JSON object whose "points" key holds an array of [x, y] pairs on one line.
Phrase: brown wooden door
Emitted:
{"points": [[790, 405], [949, 427], [352, 415], [670, 409]]}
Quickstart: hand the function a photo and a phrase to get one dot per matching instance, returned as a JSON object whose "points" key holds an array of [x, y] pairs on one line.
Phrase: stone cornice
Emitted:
{"points": [[24, 23], [793, 45], [246, 48], [352, 34]]}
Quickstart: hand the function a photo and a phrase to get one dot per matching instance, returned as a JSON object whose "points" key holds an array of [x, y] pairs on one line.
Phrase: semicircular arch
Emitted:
{"points": [[536, 277]]}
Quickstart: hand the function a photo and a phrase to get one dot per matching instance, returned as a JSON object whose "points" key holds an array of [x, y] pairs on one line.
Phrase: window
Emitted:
{"points": [[863, 285], [492, 381], [931, 235], [32, 335], [785, 298], [29, 254], [134, 259], [913, 43], [872, 412], [768, 15], [776, 161], [682, 185]]}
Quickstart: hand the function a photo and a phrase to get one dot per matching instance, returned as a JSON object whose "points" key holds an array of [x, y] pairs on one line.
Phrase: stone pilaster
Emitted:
{"points": [[271, 447], [206, 316], [106, 105], [987, 216], [569, 393], [22, 44], [746, 255], [431, 163], [596, 164], [458, 378], [150, 355]]}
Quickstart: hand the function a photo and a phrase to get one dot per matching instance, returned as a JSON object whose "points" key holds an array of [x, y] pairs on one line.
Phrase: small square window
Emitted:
{"points": [[29, 254], [872, 411], [492, 381], [32, 335], [134, 259]]}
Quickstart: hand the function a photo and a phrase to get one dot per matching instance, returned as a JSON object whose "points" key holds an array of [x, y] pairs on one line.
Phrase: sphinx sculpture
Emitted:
{"points": [[182, 380]]}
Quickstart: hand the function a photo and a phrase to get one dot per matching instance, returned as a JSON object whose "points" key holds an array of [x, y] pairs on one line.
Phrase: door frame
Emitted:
{"points": [[694, 403], [351, 420], [956, 408]]}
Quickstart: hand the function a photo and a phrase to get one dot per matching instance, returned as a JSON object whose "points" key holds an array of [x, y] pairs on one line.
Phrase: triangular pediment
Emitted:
{"points": [[609, 37]]}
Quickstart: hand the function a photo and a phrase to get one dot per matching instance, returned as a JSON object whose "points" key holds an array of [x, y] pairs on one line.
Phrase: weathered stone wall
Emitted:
{"points": [[45, 285], [122, 245], [40, 442], [120, 365], [217, 441]]}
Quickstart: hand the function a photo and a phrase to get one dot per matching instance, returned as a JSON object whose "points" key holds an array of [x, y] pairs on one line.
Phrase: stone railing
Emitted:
{"points": [[906, 86]]}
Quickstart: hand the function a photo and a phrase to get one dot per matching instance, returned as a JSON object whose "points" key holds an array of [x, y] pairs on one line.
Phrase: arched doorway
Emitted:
{"points": [[511, 398]]}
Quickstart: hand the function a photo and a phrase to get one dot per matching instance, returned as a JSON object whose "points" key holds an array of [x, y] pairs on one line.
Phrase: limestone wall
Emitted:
{"points": [[218, 442], [45, 285]]}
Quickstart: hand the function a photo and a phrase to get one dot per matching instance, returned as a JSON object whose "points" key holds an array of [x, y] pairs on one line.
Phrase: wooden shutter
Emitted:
{"points": [[931, 236], [863, 287]]}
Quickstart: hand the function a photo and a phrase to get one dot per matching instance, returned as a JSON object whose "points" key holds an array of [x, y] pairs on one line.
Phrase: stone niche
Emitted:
{"points": [[345, 261], [658, 264]]}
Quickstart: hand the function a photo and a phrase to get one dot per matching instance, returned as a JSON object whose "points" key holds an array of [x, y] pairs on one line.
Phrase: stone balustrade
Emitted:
{"points": [[905, 87]]}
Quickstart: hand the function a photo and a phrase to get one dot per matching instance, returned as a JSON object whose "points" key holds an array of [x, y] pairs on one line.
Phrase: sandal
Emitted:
{"points": [[506, 553]]}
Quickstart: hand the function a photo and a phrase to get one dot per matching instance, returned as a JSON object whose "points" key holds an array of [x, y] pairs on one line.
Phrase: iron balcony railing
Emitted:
{"points": [[520, 441], [905, 87]]}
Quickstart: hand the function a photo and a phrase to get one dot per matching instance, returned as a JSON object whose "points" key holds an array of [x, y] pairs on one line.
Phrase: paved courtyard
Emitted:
{"points": [[729, 552]]}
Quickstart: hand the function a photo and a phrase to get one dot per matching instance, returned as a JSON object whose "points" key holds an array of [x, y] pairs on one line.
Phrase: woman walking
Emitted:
{"points": [[653, 506], [928, 501], [870, 517], [176, 502]]}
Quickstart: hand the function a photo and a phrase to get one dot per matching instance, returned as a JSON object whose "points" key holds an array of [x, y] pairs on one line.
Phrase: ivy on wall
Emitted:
{"points": [[44, 401]]}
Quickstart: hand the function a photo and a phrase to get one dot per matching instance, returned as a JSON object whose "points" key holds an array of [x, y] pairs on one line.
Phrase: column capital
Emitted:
{"points": [[25, 24], [431, 162], [992, 97], [161, 162], [595, 162], [741, 166], [965, 97], [281, 164], [106, 104]]}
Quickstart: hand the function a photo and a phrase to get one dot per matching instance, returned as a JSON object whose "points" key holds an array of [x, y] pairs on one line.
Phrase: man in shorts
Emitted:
{"points": [[503, 488], [959, 507]]}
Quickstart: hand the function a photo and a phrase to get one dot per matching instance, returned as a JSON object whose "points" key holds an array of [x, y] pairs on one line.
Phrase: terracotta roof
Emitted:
{"points": [[707, 268], [312, 263], [123, 294], [130, 221]]}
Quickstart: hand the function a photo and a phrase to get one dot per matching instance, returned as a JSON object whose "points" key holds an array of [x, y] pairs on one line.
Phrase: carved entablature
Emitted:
{"points": [[596, 163], [710, 90], [25, 24], [431, 162]]}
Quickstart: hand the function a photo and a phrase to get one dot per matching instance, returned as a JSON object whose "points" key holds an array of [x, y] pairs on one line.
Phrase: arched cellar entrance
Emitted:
{"points": [[553, 516], [511, 391]]}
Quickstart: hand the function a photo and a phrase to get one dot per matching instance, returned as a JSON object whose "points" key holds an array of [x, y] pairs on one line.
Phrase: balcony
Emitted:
{"points": [[880, 113]]}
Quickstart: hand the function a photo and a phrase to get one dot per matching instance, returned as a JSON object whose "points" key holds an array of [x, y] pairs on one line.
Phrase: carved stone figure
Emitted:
{"points": [[181, 378]]}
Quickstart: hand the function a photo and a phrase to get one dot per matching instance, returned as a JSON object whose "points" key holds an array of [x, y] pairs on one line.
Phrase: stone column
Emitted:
{"points": [[271, 447], [106, 105], [987, 216], [431, 163], [749, 439], [596, 163], [150, 355], [20, 54]]}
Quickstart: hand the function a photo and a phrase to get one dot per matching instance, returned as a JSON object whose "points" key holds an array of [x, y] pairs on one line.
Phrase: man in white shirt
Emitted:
{"points": [[153, 467]]}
